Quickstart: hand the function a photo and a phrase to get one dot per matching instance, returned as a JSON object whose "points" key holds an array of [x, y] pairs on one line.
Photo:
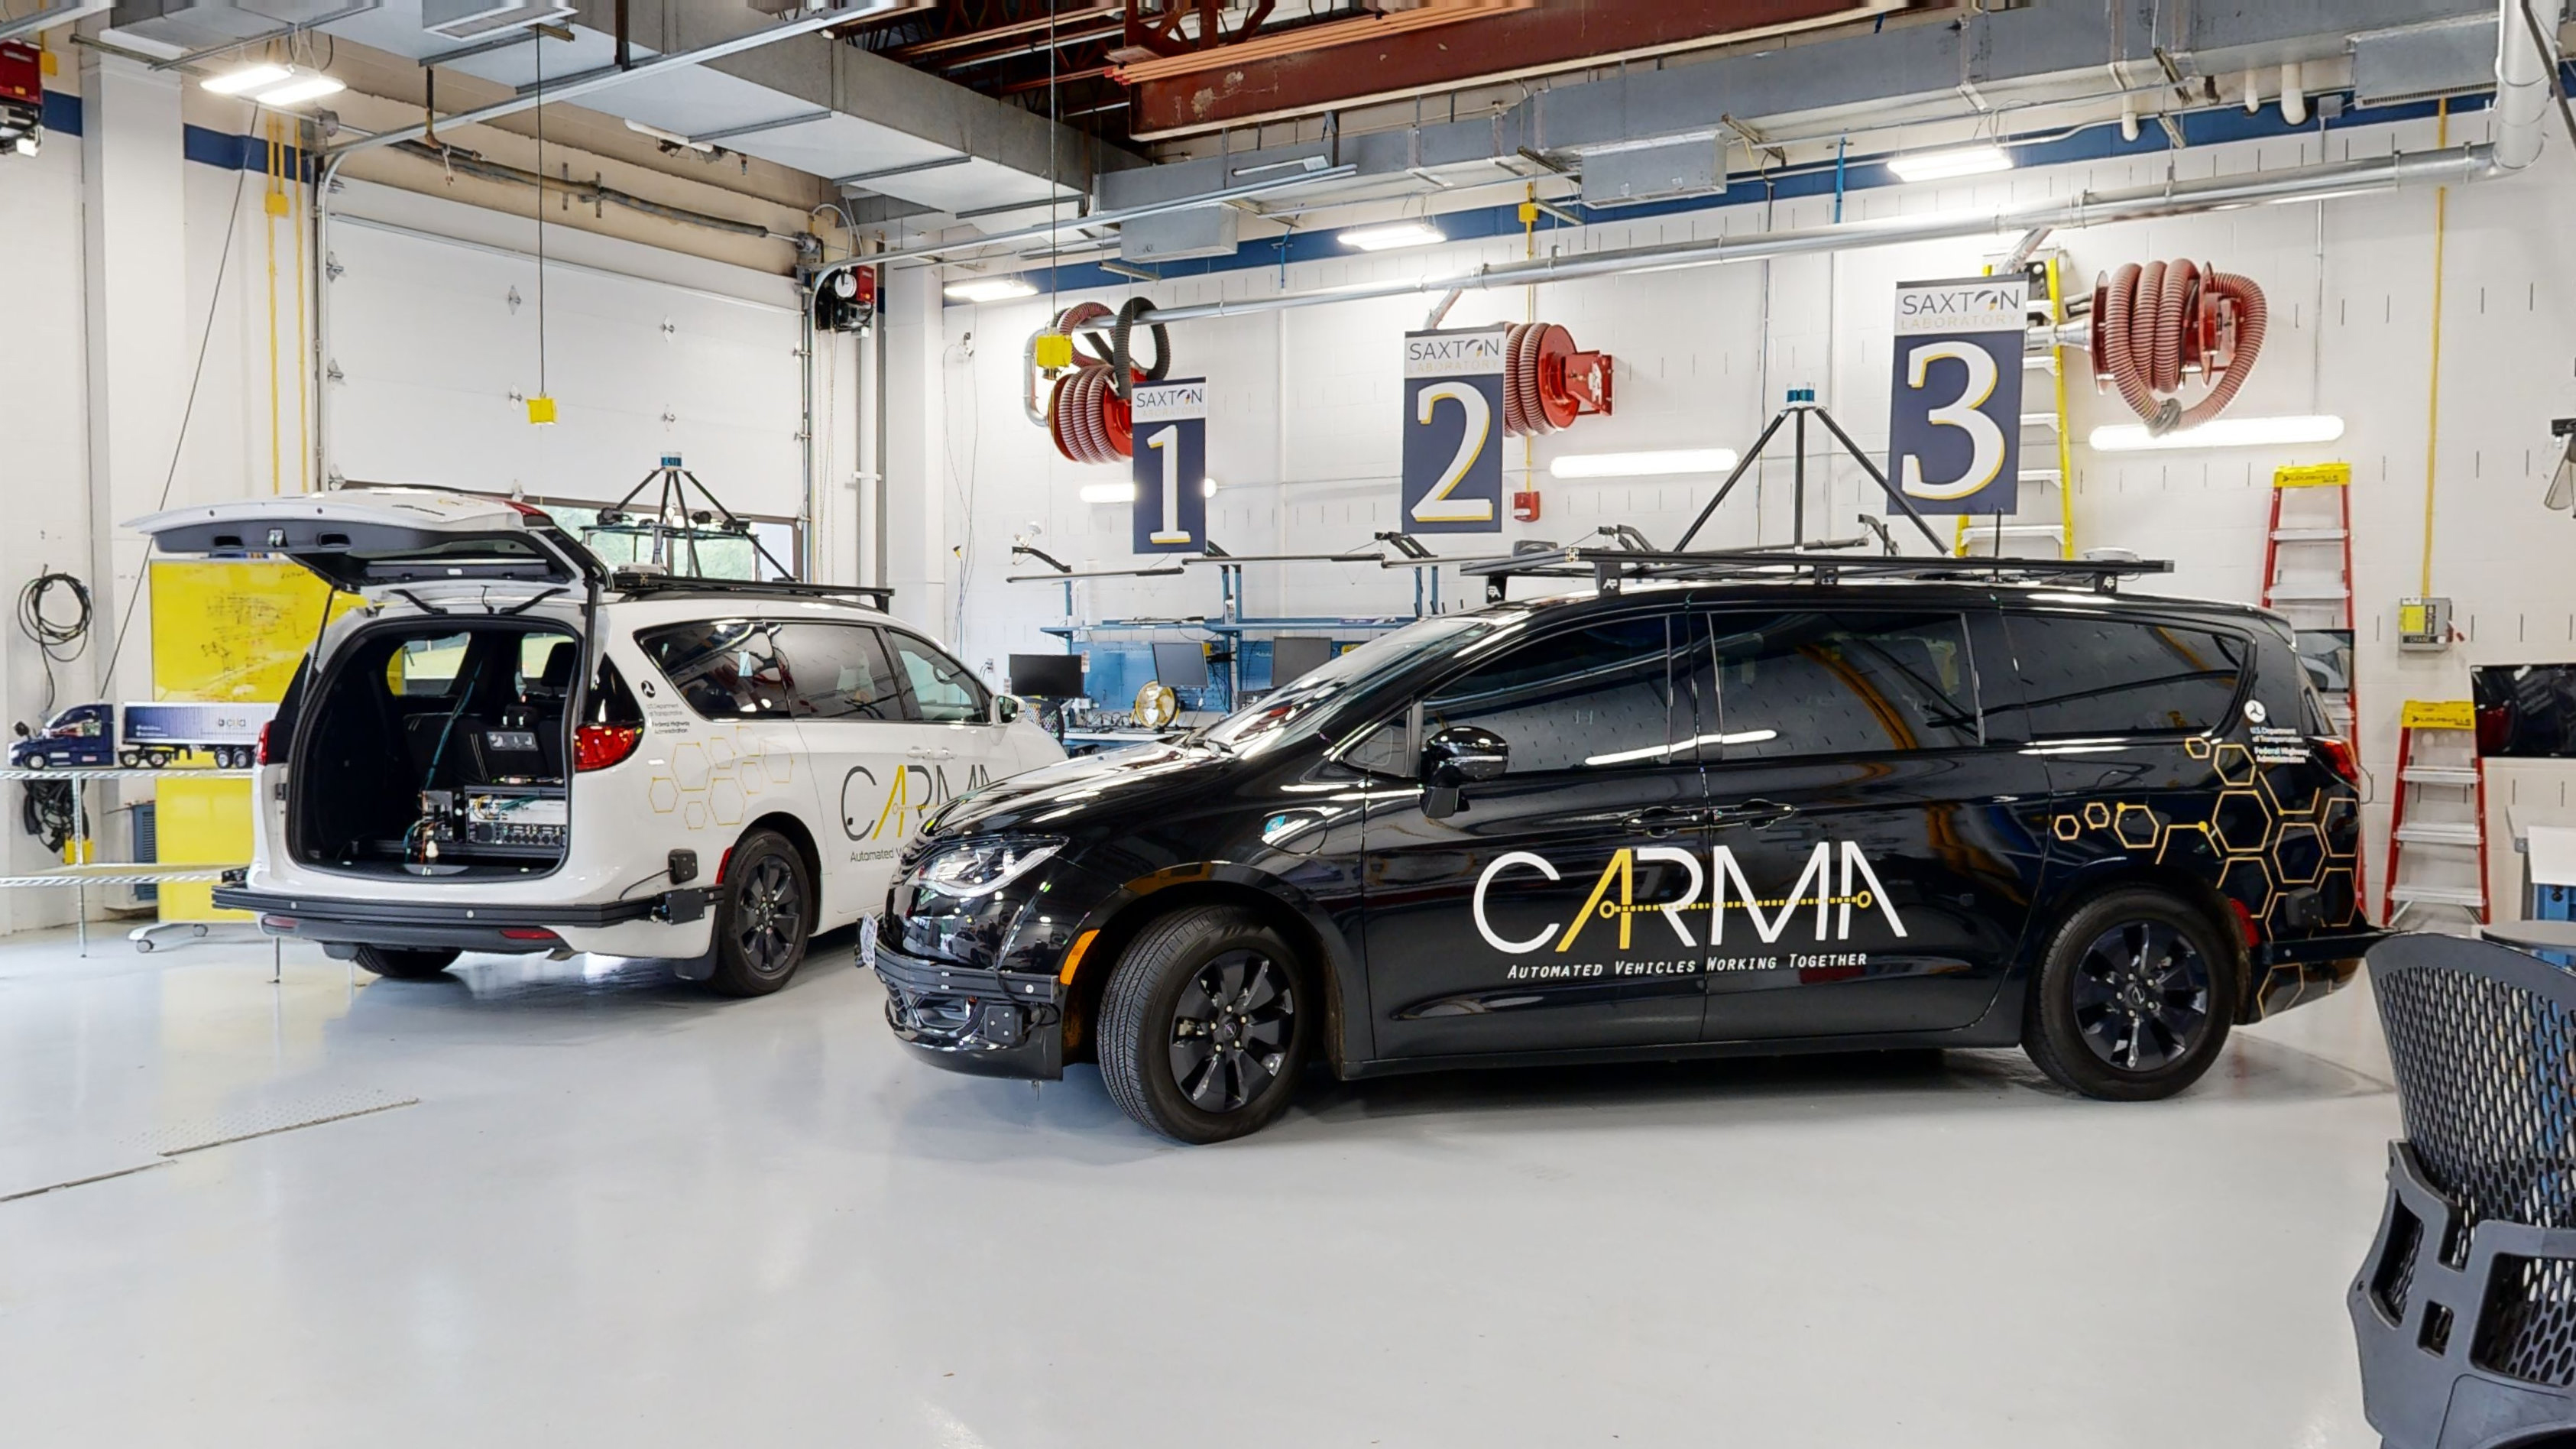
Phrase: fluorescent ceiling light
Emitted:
{"points": [[1642, 465], [2219, 433], [1942, 165], [1108, 492], [1651, 752], [249, 77], [989, 289], [1392, 235], [301, 89]]}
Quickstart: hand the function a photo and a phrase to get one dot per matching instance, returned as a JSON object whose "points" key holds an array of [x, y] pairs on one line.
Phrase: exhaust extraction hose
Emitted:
{"points": [[2154, 324]]}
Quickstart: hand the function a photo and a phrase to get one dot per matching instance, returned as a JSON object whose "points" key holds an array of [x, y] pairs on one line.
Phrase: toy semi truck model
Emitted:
{"points": [[144, 736]]}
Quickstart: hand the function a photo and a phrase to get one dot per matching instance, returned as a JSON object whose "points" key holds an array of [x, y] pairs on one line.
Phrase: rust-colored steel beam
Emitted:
{"points": [[1228, 85]]}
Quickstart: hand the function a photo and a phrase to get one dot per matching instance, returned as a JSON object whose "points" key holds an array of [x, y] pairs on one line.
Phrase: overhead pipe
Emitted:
{"points": [[1097, 218], [2522, 88], [2294, 93], [2137, 203]]}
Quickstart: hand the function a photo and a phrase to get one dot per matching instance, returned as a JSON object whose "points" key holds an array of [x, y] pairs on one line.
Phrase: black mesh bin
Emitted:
{"points": [[2466, 1307]]}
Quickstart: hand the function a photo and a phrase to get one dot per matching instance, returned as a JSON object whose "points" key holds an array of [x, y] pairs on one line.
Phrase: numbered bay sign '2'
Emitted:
{"points": [[1171, 465], [1453, 431], [1954, 421]]}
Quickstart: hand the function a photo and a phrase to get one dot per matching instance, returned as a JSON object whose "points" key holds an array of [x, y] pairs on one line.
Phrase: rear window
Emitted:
{"points": [[2090, 676], [724, 668], [1803, 683]]}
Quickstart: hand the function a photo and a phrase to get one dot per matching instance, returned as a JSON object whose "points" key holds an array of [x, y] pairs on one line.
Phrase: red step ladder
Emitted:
{"points": [[2451, 722], [2316, 596]]}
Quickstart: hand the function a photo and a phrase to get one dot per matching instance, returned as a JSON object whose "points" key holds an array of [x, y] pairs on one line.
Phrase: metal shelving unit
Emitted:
{"points": [[105, 873]]}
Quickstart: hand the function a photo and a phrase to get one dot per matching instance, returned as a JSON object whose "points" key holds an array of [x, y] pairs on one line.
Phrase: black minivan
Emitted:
{"points": [[1713, 804]]}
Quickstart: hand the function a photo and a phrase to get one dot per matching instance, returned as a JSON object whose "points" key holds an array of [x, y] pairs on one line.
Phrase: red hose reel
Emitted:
{"points": [[1088, 414], [2154, 325], [1547, 383]]}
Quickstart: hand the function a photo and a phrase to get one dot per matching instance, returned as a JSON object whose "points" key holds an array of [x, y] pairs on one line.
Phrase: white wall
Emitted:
{"points": [[1305, 432]]}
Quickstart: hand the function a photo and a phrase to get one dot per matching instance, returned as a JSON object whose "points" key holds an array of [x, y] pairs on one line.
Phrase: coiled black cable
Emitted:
{"points": [[1119, 377], [60, 641]]}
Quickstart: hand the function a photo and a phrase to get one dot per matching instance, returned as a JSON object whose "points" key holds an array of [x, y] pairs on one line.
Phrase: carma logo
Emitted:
{"points": [[1613, 897]]}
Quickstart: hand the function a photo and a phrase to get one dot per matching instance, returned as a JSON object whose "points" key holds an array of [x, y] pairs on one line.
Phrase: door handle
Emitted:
{"points": [[1755, 813], [1663, 819], [926, 752]]}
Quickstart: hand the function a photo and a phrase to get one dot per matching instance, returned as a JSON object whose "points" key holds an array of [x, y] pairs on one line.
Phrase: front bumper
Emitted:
{"points": [[988, 1023], [466, 927]]}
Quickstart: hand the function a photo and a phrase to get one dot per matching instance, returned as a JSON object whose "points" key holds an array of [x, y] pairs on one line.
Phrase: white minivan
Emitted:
{"points": [[507, 746]]}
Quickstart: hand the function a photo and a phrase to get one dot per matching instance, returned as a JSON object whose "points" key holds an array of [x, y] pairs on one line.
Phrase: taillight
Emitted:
{"points": [[598, 746], [264, 757], [2338, 756]]}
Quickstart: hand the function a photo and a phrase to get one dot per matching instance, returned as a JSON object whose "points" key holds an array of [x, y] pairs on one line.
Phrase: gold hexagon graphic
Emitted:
{"points": [[2097, 814], [2340, 823], [2298, 854], [2294, 803], [695, 817], [2189, 846], [2240, 820], [2136, 826], [2247, 880], [721, 750], [689, 766], [2066, 827], [781, 765], [665, 795], [724, 801], [2235, 764], [2197, 747]]}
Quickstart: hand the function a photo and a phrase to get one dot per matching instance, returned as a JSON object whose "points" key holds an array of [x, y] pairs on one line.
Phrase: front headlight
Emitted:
{"points": [[979, 868]]}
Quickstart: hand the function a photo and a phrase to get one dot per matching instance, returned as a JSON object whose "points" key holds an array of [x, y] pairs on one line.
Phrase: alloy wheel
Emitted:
{"points": [[1231, 1029], [770, 915], [2141, 995]]}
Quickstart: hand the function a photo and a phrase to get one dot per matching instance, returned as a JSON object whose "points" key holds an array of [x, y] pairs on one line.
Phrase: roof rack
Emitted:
{"points": [[636, 581], [1609, 567]]}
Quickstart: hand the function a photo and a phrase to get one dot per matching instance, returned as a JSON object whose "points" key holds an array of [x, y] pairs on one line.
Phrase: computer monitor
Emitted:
{"points": [[1047, 676], [1180, 664], [1292, 657]]}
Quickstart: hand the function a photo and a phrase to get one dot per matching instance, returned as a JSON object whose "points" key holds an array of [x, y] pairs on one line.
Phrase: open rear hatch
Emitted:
{"points": [[439, 739], [373, 540]]}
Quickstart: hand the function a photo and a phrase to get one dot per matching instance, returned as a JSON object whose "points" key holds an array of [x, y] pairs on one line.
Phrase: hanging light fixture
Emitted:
{"points": [[268, 83]]}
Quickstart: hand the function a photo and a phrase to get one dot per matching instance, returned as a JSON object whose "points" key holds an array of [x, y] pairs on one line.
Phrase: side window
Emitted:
{"points": [[1585, 699], [1385, 750], [1816, 683], [724, 668], [2091, 676], [425, 666], [839, 672], [942, 690]]}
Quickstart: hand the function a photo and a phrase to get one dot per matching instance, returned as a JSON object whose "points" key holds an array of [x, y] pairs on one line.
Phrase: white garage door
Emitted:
{"points": [[433, 337]]}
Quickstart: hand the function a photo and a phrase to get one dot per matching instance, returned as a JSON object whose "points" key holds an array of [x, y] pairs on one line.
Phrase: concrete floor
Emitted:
{"points": [[615, 1211]]}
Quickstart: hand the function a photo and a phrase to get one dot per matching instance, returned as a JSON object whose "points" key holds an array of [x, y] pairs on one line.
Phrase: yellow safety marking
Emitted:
{"points": [[2313, 475], [2438, 714]]}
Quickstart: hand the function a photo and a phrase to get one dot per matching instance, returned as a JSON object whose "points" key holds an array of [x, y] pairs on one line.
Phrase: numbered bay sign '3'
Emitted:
{"points": [[1171, 466], [1453, 431], [1954, 418]]}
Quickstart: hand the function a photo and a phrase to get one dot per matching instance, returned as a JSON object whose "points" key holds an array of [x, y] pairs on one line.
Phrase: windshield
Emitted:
{"points": [[1305, 702]]}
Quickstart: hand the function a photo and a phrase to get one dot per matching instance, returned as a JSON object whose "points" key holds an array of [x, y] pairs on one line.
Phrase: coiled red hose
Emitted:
{"points": [[2153, 324], [1085, 416]]}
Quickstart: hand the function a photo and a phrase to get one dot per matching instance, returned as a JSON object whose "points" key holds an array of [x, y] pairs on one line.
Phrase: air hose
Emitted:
{"points": [[1088, 413], [2154, 325]]}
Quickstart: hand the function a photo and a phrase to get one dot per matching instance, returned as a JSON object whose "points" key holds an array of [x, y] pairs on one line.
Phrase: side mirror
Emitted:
{"points": [[1008, 707], [1455, 758]]}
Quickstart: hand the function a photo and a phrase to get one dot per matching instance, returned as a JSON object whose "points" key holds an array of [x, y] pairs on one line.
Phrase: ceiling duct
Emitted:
{"points": [[2419, 62], [193, 24], [470, 19]]}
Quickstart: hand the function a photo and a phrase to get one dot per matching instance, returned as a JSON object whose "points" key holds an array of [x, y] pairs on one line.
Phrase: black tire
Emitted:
{"points": [[764, 911], [2132, 997], [1205, 1024], [405, 965]]}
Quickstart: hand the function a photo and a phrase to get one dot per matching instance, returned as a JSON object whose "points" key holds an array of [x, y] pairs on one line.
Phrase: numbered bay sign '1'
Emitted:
{"points": [[1171, 466], [1954, 420], [1453, 431]]}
